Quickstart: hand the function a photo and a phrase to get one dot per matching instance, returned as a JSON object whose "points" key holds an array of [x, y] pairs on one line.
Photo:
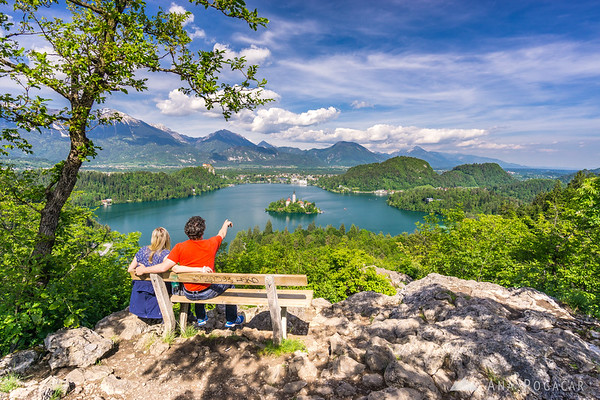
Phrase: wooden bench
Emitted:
{"points": [[278, 300]]}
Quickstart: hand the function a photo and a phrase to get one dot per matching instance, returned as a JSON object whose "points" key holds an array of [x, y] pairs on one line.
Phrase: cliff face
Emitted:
{"points": [[438, 338]]}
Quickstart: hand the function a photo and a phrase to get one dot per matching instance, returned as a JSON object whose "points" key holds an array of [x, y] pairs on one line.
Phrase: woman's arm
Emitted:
{"points": [[155, 269]]}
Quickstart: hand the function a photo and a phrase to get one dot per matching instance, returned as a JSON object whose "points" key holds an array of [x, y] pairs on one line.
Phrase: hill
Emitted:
{"points": [[475, 175], [400, 173]]}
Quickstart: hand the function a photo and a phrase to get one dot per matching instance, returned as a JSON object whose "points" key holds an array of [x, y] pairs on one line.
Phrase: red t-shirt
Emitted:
{"points": [[197, 254]]}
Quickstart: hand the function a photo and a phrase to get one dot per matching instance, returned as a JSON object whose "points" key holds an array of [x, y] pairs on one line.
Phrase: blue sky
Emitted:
{"points": [[515, 80]]}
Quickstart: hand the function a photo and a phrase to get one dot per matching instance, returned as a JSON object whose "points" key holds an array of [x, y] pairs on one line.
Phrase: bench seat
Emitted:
{"points": [[255, 297]]}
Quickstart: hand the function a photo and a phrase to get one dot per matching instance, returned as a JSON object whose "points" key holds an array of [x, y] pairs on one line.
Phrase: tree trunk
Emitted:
{"points": [[56, 197]]}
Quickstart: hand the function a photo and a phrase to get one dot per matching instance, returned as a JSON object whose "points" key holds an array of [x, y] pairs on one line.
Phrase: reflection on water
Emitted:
{"points": [[245, 206]]}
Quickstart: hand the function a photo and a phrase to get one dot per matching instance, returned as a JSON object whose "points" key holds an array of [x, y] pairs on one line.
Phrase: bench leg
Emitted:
{"points": [[164, 303], [274, 309], [183, 314], [284, 322]]}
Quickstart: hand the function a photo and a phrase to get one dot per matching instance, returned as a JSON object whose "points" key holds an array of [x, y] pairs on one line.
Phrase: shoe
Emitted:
{"points": [[200, 322], [238, 321]]}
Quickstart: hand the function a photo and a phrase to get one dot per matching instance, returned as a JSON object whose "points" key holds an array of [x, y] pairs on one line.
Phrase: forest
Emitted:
{"points": [[123, 187], [486, 200]]}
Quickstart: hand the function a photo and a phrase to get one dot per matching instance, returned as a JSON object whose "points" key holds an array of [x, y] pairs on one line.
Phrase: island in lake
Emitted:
{"points": [[293, 206]]}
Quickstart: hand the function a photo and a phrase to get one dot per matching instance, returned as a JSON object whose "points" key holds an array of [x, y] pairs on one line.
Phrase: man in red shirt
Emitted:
{"points": [[198, 255]]}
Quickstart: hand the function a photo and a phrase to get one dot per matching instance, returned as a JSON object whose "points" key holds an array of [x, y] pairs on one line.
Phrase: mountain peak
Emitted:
{"points": [[123, 118]]}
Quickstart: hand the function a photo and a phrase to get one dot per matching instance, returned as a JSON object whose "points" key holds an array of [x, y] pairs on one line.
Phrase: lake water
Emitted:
{"points": [[245, 206]]}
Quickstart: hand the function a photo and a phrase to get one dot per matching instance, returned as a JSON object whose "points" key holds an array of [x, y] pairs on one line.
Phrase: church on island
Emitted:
{"points": [[292, 205]]}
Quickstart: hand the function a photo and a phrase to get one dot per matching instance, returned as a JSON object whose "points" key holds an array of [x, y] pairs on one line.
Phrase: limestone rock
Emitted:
{"points": [[303, 368], [112, 385], [293, 387], [79, 347], [372, 380], [18, 362], [406, 375], [51, 386], [123, 325], [345, 367], [377, 358], [395, 393]]}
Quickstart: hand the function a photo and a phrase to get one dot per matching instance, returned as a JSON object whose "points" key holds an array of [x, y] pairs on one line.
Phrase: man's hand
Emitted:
{"points": [[140, 270], [226, 225]]}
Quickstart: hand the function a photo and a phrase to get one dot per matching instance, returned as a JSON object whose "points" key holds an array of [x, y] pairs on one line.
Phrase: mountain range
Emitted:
{"points": [[133, 143]]}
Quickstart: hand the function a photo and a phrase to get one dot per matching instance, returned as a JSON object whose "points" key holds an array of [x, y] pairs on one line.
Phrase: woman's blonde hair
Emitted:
{"points": [[160, 241]]}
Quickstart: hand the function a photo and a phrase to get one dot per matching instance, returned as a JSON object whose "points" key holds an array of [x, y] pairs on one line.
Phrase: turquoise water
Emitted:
{"points": [[245, 206]]}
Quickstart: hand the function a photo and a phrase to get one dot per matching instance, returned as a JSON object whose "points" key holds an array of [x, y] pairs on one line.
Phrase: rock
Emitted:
{"points": [[397, 279], [123, 325], [274, 374], [406, 375], [345, 390], [18, 362], [395, 393], [23, 393], [293, 387], [303, 368], [345, 367], [337, 345], [52, 386], [377, 358], [158, 347], [112, 385], [79, 347], [76, 376], [384, 329], [326, 390], [406, 327], [372, 380], [320, 303], [97, 372]]}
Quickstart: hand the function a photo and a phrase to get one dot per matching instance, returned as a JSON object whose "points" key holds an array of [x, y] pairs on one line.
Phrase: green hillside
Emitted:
{"points": [[401, 173], [475, 175], [394, 174]]}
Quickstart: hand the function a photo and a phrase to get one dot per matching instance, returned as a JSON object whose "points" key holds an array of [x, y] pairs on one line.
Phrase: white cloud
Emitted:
{"points": [[382, 137], [179, 103], [197, 34], [277, 119], [253, 54], [360, 104], [477, 144], [177, 9]]}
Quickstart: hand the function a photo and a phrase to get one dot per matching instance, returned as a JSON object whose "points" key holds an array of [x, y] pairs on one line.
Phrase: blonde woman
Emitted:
{"points": [[143, 300]]}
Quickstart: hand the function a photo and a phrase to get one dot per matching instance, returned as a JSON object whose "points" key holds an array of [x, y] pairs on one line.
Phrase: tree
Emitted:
{"points": [[94, 53], [268, 228]]}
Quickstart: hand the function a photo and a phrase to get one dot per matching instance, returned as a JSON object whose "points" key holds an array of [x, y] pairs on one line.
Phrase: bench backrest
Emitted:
{"points": [[235, 279]]}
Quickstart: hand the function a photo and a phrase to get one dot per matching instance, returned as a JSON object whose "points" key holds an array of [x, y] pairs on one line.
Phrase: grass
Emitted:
{"points": [[169, 338], [57, 394], [189, 332], [287, 346], [10, 382]]}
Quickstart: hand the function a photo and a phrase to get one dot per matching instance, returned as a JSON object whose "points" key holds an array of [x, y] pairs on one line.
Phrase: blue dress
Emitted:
{"points": [[143, 301]]}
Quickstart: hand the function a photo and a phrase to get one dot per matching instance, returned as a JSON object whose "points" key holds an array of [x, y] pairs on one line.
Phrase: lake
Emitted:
{"points": [[245, 206]]}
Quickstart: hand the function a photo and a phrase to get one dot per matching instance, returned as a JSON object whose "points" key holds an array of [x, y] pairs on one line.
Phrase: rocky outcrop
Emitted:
{"points": [[79, 347], [437, 338]]}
